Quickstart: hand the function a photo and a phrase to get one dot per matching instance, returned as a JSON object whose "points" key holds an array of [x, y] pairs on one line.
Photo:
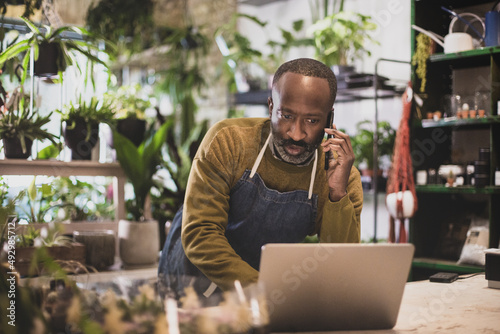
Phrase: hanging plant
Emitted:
{"points": [[128, 23], [29, 6], [420, 57]]}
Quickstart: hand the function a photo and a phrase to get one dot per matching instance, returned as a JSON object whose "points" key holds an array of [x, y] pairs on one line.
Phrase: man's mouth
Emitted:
{"points": [[294, 149]]}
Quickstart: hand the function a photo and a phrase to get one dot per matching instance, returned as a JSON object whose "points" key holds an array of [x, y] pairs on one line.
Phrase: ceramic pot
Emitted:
{"points": [[14, 150], [99, 247], [407, 202], [75, 137], [139, 242], [49, 60], [131, 128]]}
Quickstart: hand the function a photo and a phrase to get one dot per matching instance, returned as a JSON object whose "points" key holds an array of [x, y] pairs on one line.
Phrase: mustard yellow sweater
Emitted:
{"points": [[230, 147]]}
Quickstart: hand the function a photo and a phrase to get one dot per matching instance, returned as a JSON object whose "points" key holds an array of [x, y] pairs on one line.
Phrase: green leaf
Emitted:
{"points": [[128, 156], [46, 190], [32, 27], [49, 152], [32, 190], [152, 149], [14, 50]]}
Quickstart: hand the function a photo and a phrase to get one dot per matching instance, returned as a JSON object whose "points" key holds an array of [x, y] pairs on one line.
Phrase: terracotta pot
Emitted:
{"points": [[369, 172], [139, 242], [14, 150]]}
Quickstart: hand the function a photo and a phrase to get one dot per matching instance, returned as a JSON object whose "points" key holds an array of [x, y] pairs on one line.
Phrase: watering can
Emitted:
{"points": [[457, 41], [462, 41]]}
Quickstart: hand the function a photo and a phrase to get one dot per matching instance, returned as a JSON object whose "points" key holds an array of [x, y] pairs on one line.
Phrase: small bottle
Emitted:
{"points": [[497, 176]]}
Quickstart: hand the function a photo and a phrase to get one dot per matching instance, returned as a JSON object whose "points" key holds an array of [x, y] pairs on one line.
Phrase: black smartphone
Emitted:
{"points": [[328, 154]]}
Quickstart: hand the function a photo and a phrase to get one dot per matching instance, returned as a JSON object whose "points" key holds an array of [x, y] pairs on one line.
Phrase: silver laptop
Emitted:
{"points": [[325, 287]]}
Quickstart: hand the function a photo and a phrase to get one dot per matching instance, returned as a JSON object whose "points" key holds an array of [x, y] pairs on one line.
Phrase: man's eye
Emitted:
{"points": [[285, 116], [312, 121]]}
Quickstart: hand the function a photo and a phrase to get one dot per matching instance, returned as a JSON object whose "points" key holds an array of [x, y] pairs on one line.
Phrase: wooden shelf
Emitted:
{"points": [[72, 168], [60, 168]]}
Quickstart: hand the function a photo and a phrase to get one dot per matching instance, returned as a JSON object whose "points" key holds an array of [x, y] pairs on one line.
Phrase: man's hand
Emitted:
{"points": [[340, 164]]}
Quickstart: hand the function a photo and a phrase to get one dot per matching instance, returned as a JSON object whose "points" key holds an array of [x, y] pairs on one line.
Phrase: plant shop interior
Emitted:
{"points": [[106, 107]]}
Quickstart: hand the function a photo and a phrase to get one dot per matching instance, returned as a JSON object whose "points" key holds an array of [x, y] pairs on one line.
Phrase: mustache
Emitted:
{"points": [[285, 142]]}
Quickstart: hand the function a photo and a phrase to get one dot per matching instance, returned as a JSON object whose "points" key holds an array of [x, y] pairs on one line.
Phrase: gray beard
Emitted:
{"points": [[280, 153]]}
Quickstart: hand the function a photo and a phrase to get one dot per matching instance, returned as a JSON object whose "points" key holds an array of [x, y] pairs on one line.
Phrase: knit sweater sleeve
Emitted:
{"points": [[214, 171]]}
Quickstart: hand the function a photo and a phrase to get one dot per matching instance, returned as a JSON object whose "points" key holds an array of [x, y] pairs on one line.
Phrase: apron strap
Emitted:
{"points": [[259, 157], [210, 290], [313, 173], [261, 154]]}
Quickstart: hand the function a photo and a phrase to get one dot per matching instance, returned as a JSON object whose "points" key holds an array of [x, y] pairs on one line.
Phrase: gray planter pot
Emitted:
{"points": [[139, 242], [99, 247]]}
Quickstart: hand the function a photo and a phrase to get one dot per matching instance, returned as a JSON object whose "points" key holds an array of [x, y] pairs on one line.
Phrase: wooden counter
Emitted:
{"points": [[464, 306]]}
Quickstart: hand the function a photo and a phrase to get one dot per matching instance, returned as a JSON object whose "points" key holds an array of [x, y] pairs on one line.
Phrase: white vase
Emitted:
{"points": [[139, 242]]}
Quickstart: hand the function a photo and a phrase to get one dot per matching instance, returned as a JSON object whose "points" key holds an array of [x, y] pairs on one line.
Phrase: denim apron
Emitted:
{"points": [[257, 215]]}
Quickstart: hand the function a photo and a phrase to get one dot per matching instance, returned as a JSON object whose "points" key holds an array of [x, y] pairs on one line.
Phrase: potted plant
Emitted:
{"points": [[81, 125], [237, 52], [19, 126], [138, 238], [29, 6], [184, 77], [340, 38], [280, 49], [362, 144], [27, 238], [129, 22], [61, 49], [171, 186], [59, 246], [128, 105]]}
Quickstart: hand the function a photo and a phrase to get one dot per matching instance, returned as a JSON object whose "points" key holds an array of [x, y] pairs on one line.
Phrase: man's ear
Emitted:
{"points": [[270, 106]]}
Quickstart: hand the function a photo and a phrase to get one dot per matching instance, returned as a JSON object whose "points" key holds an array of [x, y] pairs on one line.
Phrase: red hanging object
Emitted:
{"points": [[401, 198]]}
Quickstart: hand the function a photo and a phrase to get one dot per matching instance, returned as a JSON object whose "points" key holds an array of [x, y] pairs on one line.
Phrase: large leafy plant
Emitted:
{"points": [[19, 121], [177, 162], [127, 102], [128, 22], [362, 142], [92, 112], [68, 48], [280, 48], [236, 49], [140, 164], [341, 37], [184, 78]]}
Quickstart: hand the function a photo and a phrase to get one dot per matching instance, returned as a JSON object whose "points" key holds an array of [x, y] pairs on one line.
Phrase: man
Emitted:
{"points": [[261, 180]]}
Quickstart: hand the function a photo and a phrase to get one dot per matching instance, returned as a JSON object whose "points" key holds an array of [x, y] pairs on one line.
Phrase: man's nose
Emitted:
{"points": [[296, 131]]}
